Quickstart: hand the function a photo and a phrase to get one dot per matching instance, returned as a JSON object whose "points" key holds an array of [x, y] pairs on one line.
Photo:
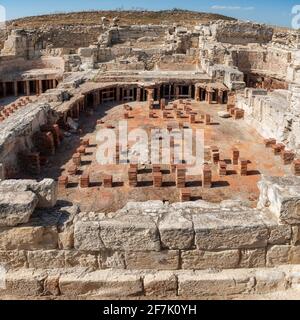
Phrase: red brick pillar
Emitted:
{"points": [[63, 182], [157, 179], [287, 156], [207, 119], [243, 167], [180, 176], [108, 181], [132, 177], [85, 181], [206, 177], [235, 156], [215, 154], [185, 195], [269, 143], [222, 168], [77, 159], [296, 167], [278, 148]]}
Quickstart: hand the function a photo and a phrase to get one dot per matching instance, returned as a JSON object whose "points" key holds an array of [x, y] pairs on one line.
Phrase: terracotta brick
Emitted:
{"points": [[287, 156], [108, 181], [77, 159], [269, 142], [278, 148], [185, 195], [180, 176], [235, 156], [243, 167], [157, 179], [63, 181], [85, 180], [206, 177], [296, 167], [132, 177], [72, 170], [222, 168]]}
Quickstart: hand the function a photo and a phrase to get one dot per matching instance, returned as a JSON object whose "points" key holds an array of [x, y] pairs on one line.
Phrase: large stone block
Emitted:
{"points": [[46, 259], [45, 190], [16, 207], [13, 259], [104, 283], [201, 260], [278, 255], [24, 283], [270, 281], [87, 236], [163, 260], [161, 284], [176, 231], [281, 196], [226, 229], [253, 258], [201, 284], [279, 234], [109, 259], [75, 258], [130, 233], [28, 238]]}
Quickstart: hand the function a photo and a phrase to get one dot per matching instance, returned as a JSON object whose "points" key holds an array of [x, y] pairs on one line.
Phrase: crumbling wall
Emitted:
{"points": [[17, 131], [274, 114], [238, 32]]}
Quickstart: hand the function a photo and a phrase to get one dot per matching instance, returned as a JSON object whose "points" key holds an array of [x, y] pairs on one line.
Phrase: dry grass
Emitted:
{"points": [[126, 17]]}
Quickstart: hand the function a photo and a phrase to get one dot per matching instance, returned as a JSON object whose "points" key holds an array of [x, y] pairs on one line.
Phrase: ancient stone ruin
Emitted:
{"points": [[73, 227]]}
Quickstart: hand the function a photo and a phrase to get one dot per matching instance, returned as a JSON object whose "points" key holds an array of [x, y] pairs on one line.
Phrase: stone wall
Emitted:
{"points": [[153, 235], [151, 248], [81, 283], [237, 32], [16, 134], [274, 114]]}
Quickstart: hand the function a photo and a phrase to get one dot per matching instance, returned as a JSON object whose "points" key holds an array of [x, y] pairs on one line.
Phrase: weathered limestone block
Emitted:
{"points": [[16, 207], [104, 283], [46, 259], [87, 236], [51, 285], [13, 259], [86, 52], [112, 260], [176, 231], [278, 255], [130, 232], [295, 235], [66, 227], [45, 190], [199, 284], [269, 281], [161, 284], [24, 283], [75, 258], [279, 233], [255, 258], [164, 260], [198, 260], [230, 230], [28, 238], [281, 196]]}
